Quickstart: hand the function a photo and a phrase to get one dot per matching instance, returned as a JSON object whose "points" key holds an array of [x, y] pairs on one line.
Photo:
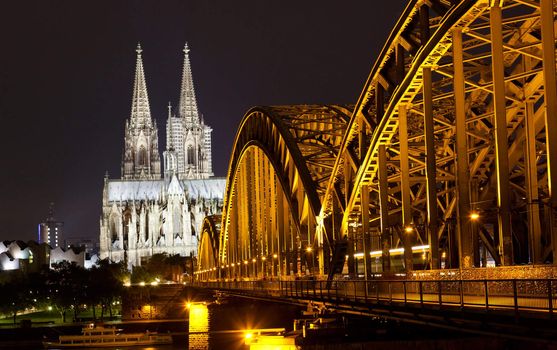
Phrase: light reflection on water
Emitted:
{"points": [[198, 322]]}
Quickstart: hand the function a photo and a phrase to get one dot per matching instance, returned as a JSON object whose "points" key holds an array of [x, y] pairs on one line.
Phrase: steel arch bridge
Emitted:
{"points": [[448, 159]]}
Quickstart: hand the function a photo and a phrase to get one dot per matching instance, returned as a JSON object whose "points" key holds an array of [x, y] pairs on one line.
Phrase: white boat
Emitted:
{"points": [[107, 337]]}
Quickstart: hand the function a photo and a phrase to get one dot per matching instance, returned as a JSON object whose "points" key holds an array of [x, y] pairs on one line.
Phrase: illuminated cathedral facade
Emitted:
{"points": [[153, 209]]}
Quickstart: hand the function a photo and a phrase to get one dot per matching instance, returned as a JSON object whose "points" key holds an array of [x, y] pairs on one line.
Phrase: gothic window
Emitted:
{"points": [[113, 229], [191, 155], [142, 156]]}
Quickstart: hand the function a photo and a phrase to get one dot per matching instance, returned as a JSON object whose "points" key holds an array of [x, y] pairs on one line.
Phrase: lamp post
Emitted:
{"points": [[309, 251], [254, 260]]}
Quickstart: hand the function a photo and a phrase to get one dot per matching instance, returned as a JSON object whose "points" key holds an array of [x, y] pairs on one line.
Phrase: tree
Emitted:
{"points": [[110, 290], [15, 295], [68, 287]]}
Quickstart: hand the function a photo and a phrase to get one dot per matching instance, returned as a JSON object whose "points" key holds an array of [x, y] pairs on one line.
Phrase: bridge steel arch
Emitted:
{"points": [[448, 159], [280, 165], [208, 248], [451, 148]]}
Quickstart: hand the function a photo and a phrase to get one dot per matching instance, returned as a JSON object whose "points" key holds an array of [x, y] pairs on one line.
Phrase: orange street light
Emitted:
{"points": [[474, 216], [408, 229]]}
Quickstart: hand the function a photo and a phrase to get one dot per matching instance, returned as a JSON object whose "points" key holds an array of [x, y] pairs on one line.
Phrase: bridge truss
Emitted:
{"points": [[448, 159]]}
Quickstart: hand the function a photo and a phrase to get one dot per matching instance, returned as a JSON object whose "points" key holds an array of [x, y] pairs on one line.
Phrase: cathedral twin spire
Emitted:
{"points": [[188, 103], [188, 146], [141, 112]]}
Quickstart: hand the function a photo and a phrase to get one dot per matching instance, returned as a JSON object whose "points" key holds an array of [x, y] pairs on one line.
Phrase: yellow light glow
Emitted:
{"points": [[253, 260], [198, 326], [142, 283], [309, 249], [275, 256], [232, 264], [408, 229], [127, 284], [245, 262], [154, 283], [188, 304], [474, 216], [263, 258]]}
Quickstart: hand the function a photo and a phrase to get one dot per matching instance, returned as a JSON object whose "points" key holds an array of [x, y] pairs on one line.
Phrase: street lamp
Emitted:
{"points": [[474, 216], [309, 250], [254, 268], [276, 270]]}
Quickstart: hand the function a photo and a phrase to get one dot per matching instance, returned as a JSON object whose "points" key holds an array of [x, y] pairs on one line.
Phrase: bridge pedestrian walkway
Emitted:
{"points": [[533, 296]]}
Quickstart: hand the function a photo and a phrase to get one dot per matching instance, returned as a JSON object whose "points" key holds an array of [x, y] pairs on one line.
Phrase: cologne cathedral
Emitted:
{"points": [[154, 209]]}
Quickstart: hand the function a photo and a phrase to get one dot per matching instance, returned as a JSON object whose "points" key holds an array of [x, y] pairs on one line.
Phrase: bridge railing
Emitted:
{"points": [[503, 294]]}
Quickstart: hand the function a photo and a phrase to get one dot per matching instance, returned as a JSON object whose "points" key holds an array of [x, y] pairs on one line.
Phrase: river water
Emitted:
{"points": [[223, 326]]}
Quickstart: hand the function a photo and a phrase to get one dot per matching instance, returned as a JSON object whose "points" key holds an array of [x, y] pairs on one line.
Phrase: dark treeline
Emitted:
{"points": [[66, 287]]}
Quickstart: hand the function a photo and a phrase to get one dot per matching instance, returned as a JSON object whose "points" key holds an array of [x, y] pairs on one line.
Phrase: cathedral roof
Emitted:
{"points": [[123, 190], [209, 188], [126, 190]]}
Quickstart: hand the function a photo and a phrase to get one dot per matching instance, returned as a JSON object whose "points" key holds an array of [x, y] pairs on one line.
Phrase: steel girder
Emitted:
{"points": [[457, 102], [280, 165]]}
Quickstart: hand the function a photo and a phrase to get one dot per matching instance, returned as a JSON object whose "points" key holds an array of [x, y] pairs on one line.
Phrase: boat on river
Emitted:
{"points": [[95, 336]]}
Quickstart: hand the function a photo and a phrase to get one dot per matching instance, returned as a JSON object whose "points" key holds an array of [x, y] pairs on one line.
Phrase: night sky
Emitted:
{"points": [[67, 69]]}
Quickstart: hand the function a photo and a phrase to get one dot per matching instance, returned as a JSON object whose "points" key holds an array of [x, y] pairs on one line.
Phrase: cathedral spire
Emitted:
{"points": [[141, 159], [188, 104], [169, 137], [141, 113]]}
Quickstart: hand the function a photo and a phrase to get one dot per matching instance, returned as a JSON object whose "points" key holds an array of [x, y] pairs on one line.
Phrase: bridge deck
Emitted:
{"points": [[521, 309], [534, 295]]}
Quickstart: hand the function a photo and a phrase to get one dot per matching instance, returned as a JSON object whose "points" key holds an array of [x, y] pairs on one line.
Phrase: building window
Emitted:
{"points": [[142, 157], [191, 155]]}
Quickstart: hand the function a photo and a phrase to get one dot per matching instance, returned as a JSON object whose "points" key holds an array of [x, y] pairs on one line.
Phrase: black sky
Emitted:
{"points": [[66, 74]]}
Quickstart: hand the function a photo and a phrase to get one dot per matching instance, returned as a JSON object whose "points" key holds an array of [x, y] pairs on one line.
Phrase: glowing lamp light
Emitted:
{"points": [[50, 308], [127, 284], [263, 258], [155, 283], [142, 283], [248, 337], [309, 249], [188, 304], [245, 262], [408, 229], [275, 256], [253, 260], [474, 216], [232, 264]]}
